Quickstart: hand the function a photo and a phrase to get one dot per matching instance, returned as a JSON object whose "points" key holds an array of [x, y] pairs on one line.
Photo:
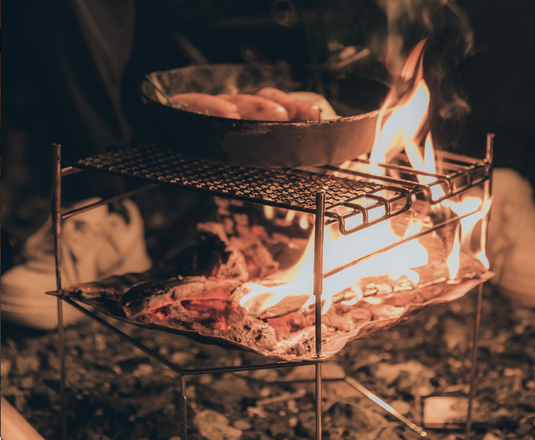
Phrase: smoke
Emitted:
{"points": [[449, 41]]}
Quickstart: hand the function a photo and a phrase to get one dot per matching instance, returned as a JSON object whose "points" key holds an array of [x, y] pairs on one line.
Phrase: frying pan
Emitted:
{"points": [[260, 143]]}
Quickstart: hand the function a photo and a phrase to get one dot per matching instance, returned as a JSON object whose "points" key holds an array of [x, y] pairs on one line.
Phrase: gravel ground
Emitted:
{"points": [[116, 392]]}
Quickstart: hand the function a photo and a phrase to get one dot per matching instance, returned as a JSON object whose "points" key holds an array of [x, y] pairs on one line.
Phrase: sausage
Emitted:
{"points": [[298, 109], [257, 108], [326, 109], [207, 104]]}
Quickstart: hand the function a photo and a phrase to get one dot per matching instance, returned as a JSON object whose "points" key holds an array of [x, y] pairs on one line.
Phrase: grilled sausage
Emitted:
{"points": [[298, 109], [257, 108], [207, 104]]}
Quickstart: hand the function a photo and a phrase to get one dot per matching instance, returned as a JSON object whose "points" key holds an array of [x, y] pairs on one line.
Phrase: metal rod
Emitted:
{"points": [[473, 369], [475, 344], [198, 371], [319, 233], [444, 154], [344, 266], [359, 387], [67, 171], [319, 377], [56, 226], [184, 407], [74, 212], [173, 367], [123, 335], [401, 193], [388, 214], [424, 188], [319, 237], [404, 168]]}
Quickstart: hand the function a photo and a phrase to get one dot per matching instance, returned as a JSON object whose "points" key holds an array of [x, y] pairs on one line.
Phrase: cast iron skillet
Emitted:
{"points": [[261, 143]]}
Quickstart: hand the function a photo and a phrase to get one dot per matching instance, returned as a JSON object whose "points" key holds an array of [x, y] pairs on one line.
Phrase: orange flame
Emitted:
{"points": [[453, 259], [400, 127]]}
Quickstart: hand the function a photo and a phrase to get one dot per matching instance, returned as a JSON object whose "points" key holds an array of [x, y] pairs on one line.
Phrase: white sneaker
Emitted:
{"points": [[94, 245], [511, 236]]}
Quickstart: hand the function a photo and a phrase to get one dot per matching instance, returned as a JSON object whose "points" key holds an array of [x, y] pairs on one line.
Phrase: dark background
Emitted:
{"points": [[57, 89]]}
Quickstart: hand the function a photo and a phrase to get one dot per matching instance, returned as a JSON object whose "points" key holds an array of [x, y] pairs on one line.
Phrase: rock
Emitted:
{"points": [[401, 406], [166, 427], [100, 342], [340, 390], [27, 364], [278, 427], [524, 429], [336, 433], [215, 426], [243, 425], [331, 370], [5, 367], [265, 391], [229, 390], [181, 358], [261, 424], [414, 369], [253, 410], [143, 370], [306, 426], [191, 392], [384, 434], [205, 379], [356, 418], [455, 334], [270, 375], [445, 412], [491, 436]]}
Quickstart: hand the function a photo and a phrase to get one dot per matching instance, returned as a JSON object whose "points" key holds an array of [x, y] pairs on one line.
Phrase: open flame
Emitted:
{"points": [[401, 127]]}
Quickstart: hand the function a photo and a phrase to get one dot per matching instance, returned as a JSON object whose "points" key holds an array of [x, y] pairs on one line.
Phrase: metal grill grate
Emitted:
{"points": [[348, 194], [287, 188]]}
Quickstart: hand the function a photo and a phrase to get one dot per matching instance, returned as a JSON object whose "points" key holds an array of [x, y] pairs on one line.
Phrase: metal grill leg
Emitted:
{"points": [[483, 246], [319, 376], [183, 409], [473, 369], [56, 224], [318, 291]]}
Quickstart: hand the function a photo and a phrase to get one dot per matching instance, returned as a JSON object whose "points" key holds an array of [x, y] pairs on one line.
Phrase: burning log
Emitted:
{"points": [[208, 307]]}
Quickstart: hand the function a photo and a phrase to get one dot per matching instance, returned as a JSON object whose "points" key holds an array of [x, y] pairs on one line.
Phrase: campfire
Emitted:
{"points": [[377, 239]]}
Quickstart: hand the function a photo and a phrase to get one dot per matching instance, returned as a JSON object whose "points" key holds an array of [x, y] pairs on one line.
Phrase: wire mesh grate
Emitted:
{"points": [[289, 188]]}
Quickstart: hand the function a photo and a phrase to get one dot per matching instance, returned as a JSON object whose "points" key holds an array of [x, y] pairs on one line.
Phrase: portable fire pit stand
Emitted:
{"points": [[467, 173]]}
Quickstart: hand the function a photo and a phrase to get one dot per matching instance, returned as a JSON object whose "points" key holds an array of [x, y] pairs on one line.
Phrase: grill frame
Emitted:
{"points": [[294, 189], [464, 174]]}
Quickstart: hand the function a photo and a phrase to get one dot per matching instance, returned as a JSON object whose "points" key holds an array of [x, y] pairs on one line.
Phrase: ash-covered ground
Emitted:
{"points": [[116, 392]]}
